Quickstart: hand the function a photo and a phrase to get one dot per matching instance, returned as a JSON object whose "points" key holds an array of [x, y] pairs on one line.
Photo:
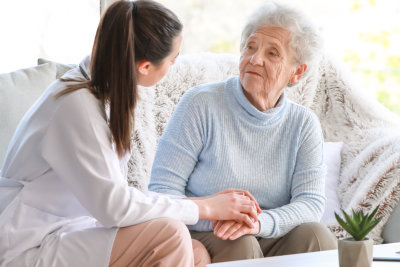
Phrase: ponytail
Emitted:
{"points": [[127, 33]]}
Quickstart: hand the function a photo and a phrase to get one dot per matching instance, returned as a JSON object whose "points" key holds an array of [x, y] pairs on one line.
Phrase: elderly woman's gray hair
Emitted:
{"points": [[305, 43]]}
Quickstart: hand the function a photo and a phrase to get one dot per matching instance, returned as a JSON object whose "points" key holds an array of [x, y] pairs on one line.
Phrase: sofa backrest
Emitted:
{"points": [[370, 167], [368, 130], [18, 92]]}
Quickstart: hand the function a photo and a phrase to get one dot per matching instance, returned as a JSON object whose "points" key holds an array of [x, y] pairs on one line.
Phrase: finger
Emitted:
{"points": [[221, 224], [259, 210], [243, 230], [214, 223], [223, 228], [239, 193], [248, 194], [245, 205], [243, 199], [250, 210], [231, 230], [253, 213], [229, 190], [254, 202], [218, 225], [244, 218]]}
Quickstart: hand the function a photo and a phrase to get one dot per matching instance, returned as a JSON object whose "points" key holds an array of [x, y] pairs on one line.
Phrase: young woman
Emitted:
{"points": [[64, 200]]}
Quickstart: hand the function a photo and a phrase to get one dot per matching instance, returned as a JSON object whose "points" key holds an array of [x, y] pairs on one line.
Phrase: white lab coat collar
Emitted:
{"points": [[81, 72]]}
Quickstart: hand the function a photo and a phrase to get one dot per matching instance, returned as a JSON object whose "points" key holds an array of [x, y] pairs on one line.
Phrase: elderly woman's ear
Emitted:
{"points": [[296, 76]]}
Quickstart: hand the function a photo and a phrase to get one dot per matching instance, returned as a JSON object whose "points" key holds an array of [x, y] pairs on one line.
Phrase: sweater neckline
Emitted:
{"points": [[267, 116]]}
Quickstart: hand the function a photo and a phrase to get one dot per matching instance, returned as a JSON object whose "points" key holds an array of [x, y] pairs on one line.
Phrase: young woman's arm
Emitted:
{"points": [[77, 146]]}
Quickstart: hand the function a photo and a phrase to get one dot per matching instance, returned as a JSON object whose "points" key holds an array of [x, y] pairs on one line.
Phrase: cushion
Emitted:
{"points": [[391, 232], [18, 91], [332, 160], [61, 68]]}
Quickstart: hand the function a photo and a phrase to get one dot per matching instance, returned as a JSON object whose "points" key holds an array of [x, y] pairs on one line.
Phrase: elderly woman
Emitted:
{"points": [[245, 133]]}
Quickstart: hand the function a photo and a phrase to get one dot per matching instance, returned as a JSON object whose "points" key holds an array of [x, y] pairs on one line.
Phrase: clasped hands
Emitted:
{"points": [[231, 229], [233, 213]]}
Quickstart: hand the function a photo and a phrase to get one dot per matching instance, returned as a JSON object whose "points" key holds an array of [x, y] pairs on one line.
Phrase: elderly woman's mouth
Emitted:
{"points": [[254, 73]]}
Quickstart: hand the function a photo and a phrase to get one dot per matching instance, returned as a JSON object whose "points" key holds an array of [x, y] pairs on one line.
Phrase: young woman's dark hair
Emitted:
{"points": [[128, 33]]}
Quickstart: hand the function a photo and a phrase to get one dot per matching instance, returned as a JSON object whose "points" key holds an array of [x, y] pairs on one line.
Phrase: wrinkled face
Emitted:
{"points": [[266, 63]]}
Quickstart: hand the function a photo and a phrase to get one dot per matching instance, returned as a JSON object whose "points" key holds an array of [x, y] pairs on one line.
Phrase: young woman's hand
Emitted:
{"points": [[244, 192], [230, 204], [233, 230]]}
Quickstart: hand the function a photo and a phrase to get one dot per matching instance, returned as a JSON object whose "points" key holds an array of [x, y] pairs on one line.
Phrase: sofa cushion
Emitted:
{"points": [[18, 91], [60, 67], [391, 231], [332, 159]]}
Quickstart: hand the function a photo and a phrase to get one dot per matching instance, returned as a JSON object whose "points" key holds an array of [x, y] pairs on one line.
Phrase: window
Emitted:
{"points": [[57, 30], [364, 34]]}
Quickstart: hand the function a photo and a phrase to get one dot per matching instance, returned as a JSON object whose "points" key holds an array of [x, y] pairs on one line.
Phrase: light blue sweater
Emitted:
{"points": [[216, 139]]}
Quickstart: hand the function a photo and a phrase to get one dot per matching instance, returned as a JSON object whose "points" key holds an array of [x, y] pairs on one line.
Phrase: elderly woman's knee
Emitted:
{"points": [[246, 241], [312, 228], [316, 233], [245, 247]]}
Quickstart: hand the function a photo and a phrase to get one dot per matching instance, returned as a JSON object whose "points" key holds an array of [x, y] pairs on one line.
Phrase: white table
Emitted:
{"points": [[328, 258]]}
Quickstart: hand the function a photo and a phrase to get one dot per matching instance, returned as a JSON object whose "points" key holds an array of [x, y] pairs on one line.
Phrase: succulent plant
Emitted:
{"points": [[359, 224]]}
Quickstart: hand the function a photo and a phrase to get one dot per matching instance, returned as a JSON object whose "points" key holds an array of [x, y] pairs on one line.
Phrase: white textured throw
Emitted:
{"points": [[370, 168]]}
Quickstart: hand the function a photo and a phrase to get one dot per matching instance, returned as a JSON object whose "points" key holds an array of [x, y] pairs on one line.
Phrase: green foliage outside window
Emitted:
{"points": [[365, 34], [380, 68]]}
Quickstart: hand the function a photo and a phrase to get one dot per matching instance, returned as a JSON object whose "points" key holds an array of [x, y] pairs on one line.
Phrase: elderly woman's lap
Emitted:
{"points": [[307, 237], [245, 247]]}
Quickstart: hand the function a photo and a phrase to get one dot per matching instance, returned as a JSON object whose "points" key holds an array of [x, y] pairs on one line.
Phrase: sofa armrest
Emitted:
{"points": [[370, 176], [391, 230]]}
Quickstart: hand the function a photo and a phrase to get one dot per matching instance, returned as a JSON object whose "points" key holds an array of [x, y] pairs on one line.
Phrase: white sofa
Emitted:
{"points": [[365, 177]]}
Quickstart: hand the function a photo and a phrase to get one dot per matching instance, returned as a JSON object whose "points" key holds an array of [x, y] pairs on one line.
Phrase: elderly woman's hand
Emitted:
{"points": [[233, 230], [235, 205]]}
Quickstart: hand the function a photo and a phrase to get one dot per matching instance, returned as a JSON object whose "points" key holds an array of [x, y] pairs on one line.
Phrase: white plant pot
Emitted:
{"points": [[354, 253]]}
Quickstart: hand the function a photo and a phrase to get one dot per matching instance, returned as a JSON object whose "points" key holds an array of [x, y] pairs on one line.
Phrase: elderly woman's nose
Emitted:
{"points": [[256, 59]]}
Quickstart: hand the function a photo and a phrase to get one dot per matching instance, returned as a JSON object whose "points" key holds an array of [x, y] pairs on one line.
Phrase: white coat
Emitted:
{"points": [[62, 192]]}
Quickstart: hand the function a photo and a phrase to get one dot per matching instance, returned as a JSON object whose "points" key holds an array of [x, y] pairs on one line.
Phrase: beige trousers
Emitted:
{"points": [[159, 242], [304, 238]]}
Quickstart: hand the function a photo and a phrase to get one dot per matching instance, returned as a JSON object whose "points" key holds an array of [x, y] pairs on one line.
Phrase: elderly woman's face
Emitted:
{"points": [[266, 64]]}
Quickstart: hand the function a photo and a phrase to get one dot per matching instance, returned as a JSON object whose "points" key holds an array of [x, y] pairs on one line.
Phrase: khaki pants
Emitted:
{"points": [[159, 242], [304, 238]]}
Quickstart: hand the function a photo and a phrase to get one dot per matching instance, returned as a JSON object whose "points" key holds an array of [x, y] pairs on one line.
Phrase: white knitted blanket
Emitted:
{"points": [[370, 167]]}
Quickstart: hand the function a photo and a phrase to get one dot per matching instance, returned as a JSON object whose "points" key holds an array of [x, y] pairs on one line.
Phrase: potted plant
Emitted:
{"points": [[356, 251]]}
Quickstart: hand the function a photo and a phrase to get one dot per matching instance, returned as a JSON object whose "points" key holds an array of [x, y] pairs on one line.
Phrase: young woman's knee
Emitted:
{"points": [[173, 228], [200, 253], [160, 240]]}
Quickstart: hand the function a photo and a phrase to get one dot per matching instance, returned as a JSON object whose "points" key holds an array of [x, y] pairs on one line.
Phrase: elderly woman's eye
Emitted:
{"points": [[274, 54]]}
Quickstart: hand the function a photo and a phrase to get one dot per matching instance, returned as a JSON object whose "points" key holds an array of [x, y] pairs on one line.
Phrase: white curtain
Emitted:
{"points": [[105, 3], [58, 30]]}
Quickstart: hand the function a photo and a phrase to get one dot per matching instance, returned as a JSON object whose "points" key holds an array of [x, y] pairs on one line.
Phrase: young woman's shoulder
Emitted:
{"points": [[79, 105]]}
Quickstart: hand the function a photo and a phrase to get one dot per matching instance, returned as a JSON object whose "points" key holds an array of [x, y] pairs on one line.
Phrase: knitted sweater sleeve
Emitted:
{"points": [[179, 147], [307, 187]]}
